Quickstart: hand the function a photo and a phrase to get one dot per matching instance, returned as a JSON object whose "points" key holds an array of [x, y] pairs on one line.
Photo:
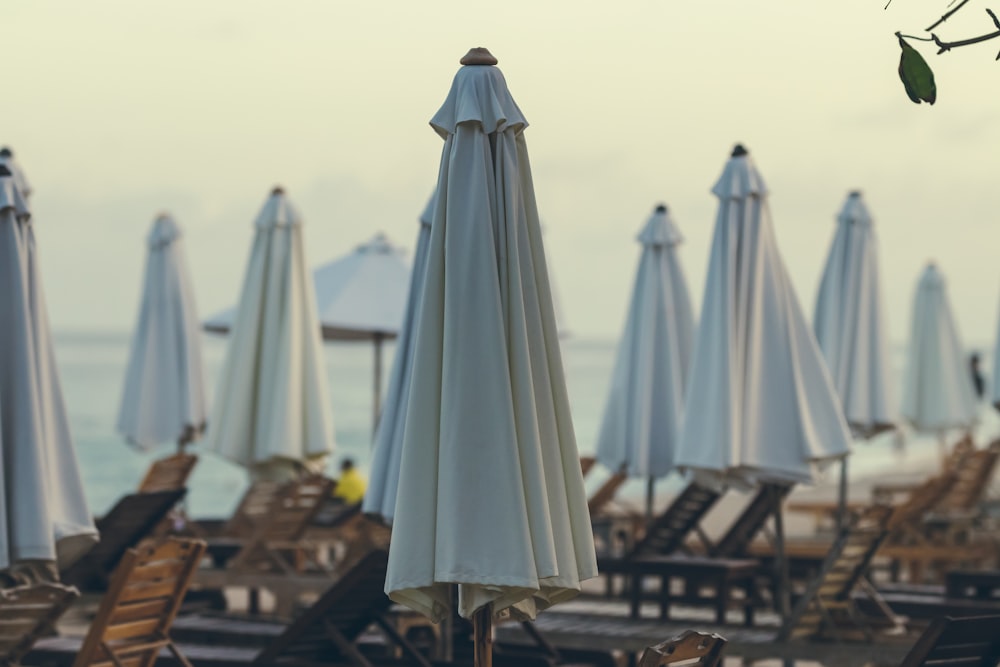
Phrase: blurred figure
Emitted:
{"points": [[351, 485], [978, 383]]}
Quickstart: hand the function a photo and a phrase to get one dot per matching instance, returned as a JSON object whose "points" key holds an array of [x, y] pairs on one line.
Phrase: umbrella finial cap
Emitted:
{"points": [[479, 55], [854, 193], [6, 152], [4, 171], [661, 208], [739, 151], [277, 190]]}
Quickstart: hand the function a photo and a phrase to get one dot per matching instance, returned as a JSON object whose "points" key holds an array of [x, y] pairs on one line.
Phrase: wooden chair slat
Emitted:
{"points": [[168, 474], [139, 610]]}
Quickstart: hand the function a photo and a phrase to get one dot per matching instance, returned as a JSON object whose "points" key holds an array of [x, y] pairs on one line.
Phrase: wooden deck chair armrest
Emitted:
{"points": [[704, 648]]}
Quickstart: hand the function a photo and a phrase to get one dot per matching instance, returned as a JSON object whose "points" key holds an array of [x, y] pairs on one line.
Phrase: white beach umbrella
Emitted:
{"points": [[646, 398], [272, 411], [761, 406], [360, 296], [20, 180], [766, 409], [383, 478], [850, 326], [491, 496], [164, 395], [937, 391], [43, 510]]}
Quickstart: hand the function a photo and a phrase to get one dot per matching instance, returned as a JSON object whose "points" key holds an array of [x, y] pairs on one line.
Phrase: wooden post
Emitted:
{"points": [[650, 493], [482, 623], [377, 402], [780, 558], [842, 496]]}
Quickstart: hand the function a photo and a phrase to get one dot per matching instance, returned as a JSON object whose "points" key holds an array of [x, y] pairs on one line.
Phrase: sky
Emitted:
{"points": [[118, 110]]}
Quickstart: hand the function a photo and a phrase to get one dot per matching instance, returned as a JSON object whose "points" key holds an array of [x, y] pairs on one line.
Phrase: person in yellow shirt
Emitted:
{"points": [[351, 485]]}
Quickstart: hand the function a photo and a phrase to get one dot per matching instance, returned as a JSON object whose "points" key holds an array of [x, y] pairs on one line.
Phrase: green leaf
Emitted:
{"points": [[916, 75]]}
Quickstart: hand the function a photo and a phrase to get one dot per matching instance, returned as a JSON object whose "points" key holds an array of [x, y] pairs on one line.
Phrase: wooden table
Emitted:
{"points": [[723, 574]]}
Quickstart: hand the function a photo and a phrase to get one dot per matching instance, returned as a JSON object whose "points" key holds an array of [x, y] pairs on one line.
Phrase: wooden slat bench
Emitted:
{"points": [[975, 585], [723, 575]]}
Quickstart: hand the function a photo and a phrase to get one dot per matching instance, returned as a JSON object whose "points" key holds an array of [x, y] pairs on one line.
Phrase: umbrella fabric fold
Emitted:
{"points": [[43, 509], [849, 322], [272, 411], [164, 395], [383, 477], [490, 495], [760, 406], [646, 399], [937, 392]]}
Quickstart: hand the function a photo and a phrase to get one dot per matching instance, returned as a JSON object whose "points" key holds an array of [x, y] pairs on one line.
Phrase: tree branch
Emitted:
{"points": [[948, 46], [948, 15]]}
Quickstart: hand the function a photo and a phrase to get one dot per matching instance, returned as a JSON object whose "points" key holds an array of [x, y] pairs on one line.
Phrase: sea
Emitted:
{"points": [[92, 370]]}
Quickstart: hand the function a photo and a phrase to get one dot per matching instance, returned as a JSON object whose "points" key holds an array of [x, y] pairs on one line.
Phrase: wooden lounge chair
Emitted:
{"points": [[28, 613], [132, 519], [280, 531], [827, 604], [735, 542], [331, 629], [606, 493], [132, 625], [690, 648], [957, 642], [168, 474]]}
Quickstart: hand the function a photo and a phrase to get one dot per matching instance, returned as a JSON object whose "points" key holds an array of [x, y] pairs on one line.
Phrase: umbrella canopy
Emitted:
{"points": [[272, 409], [849, 322], [765, 408], [20, 180], [164, 395], [646, 398], [43, 510], [937, 392], [491, 496], [383, 479]]}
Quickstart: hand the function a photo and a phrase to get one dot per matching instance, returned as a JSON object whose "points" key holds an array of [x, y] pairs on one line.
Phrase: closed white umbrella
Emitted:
{"points": [[272, 412], [360, 296], [20, 180], [850, 327], [761, 406], [43, 510], [164, 395], [937, 391], [383, 478], [491, 496], [646, 398]]}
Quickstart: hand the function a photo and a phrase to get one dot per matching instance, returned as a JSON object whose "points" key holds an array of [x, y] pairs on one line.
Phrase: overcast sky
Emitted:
{"points": [[118, 110]]}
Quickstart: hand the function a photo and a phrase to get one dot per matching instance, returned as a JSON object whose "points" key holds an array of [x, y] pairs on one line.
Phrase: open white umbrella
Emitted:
{"points": [[43, 510], [164, 395], [383, 478], [491, 496], [646, 398], [937, 391], [362, 296], [761, 406], [850, 327], [272, 412]]}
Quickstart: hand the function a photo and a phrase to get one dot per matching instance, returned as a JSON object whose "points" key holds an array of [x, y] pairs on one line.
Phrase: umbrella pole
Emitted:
{"points": [[842, 496], [650, 491], [376, 404], [482, 623], [780, 562]]}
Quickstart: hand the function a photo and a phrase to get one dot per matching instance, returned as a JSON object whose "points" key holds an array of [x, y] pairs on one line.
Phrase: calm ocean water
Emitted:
{"points": [[92, 368]]}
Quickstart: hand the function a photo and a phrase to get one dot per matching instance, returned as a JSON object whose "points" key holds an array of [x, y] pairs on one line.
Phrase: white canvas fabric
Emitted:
{"points": [[645, 403], [937, 391], [490, 495], [363, 293], [271, 408], [164, 395], [383, 478], [849, 322], [43, 510], [760, 404]]}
